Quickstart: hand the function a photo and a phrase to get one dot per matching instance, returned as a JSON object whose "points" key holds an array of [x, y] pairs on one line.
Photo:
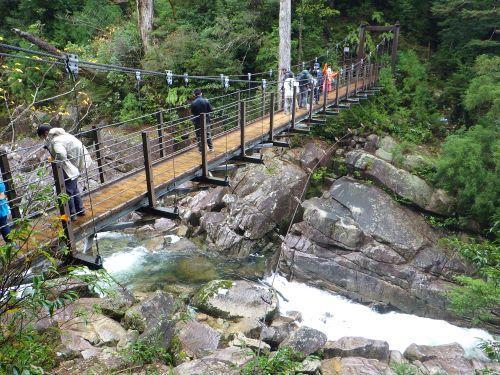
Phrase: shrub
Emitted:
{"points": [[468, 169], [284, 362]]}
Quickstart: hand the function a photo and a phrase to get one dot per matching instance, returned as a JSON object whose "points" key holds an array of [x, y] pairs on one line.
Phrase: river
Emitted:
{"points": [[179, 263]]}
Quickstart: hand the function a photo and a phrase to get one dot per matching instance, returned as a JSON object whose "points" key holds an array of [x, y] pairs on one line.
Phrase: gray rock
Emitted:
{"points": [[314, 152], [305, 341], [234, 355], [278, 331], [262, 196], [382, 154], [396, 356], [206, 366], [387, 143], [242, 341], [357, 347], [309, 366], [153, 318], [236, 299], [401, 182], [197, 338], [204, 201], [164, 225], [357, 241], [449, 359], [354, 366]]}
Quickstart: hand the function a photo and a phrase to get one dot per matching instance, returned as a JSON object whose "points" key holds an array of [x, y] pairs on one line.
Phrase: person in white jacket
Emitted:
{"points": [[288, 89], [74, 158]]}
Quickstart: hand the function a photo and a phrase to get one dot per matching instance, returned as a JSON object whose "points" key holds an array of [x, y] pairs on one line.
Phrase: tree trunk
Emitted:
{"points": [[145, 21], [285, 33]]}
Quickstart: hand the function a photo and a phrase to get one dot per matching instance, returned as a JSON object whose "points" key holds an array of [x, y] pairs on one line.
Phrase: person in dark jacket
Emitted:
{"points": [[198, 106]]}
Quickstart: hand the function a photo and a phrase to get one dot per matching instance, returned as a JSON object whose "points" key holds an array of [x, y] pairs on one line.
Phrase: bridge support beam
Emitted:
{"points": [[167, 212], [243, 155], [63, 206], [97, 145], [148, 168], [10, 189]]}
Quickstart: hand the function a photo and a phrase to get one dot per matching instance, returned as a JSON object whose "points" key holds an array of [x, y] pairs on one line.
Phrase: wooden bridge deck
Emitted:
{"points": [[118, 198]]}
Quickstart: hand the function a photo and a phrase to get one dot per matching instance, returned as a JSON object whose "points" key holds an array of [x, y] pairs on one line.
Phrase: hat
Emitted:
{"points": [[42, 129]]}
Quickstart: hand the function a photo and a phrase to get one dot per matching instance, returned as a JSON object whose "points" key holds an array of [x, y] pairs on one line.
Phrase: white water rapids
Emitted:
{"points": [[334, 315], [337, 317]]}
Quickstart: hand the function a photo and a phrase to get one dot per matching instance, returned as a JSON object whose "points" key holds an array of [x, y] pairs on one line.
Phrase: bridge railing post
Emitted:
{"points": [[242, 120], [97, 145], [271, 116], [358, 71], [325, 91], [337, 88], [294, 106], [148, 168], [10, 189], [348, 78], [311, 101], [203, 140], [57, 171], [160, 133]]}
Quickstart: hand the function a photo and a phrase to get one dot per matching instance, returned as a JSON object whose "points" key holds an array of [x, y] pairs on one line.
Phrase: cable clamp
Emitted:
{"points": [[226, 82], [270, 73], [72, 65], [264, 84], [186, 79], [138, 76], [249, 75], [169, 77]]}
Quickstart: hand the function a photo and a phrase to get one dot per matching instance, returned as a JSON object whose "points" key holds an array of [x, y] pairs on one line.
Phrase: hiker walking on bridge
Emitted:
{"points": [[288, 91], [74, 158], [198, 106]]}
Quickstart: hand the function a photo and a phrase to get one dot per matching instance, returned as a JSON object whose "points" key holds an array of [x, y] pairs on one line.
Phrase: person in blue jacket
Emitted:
{"points": [[4, 214]]}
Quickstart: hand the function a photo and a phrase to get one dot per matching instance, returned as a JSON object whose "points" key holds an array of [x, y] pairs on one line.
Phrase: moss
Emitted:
{"points": [[209, 290]]}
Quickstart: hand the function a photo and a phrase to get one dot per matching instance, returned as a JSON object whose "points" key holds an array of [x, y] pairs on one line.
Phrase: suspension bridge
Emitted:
{"points": [[167, 153]]}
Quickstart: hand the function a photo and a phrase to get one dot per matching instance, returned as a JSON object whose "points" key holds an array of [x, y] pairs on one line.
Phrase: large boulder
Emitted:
{"points": [[192, 208], [448, 359], [357, 347], [197, 338], [262, 197], [152, 317], [357, 241], [354, 366], [401, 182], [305, 341], [236, 300], [314, 153]]}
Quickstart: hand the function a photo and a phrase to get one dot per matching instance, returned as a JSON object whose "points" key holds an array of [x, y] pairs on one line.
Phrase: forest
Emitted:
{"points": [[444, 96]]}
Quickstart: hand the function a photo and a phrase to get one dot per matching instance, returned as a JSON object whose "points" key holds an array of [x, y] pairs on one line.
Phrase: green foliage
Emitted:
{"points": [[28, 353], [283, 362], [468, 169], [476, 297], [438, 222], [404, 369], [142, 353], [483, 94], [491, 349]]}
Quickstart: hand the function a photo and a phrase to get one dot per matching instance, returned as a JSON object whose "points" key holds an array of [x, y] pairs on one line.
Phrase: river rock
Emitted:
{"points": [[357, 241], [278, 331], [309, 366], [204, 201], [354, 366], [206, 366], [401, 182], [305, 341], [357, 347], [236, 300], [449, 359], [315, 152], [197, 338], [233, 354], [262, 198], [242, 341], [152, 317]]}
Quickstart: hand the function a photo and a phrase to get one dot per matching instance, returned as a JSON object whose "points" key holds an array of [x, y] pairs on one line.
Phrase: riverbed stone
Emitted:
{"points": [[236, 299], [357, 241], [153, 318], [357, 347], [305, 341], [206, 366], [242, 341], [309, 366], [449, 359], [314, 152], [354, 366], [401, 182], [235, 355], [197, 338]]}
